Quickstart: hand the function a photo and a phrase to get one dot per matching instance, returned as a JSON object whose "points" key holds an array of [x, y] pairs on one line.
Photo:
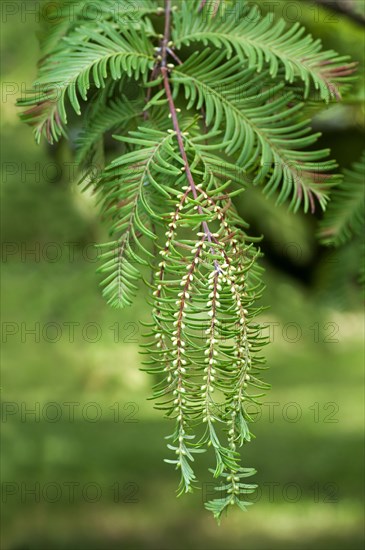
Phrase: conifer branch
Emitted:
{"points": [[173, 113], [168, 194]]}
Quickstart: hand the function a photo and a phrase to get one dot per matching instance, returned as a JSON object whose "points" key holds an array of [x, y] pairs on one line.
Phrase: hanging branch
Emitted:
{"points": [[168, 194]]}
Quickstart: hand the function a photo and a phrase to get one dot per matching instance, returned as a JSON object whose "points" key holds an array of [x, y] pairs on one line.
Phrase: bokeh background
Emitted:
{"points": [[82, 447]]}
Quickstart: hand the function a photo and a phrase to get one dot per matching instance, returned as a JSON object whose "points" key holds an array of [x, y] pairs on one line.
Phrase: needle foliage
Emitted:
{"points": [[217, 106]]}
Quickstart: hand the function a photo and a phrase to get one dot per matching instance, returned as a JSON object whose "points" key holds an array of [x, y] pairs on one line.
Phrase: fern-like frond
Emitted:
{"points": [[264, 41], [344, 217], [65, 16], [233, 488], [262, 129], [126, 192], [91, 57], [106, 115]]}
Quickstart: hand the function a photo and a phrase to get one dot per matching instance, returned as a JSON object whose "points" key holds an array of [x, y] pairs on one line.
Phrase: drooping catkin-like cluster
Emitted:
{"points": [[204, 341]]}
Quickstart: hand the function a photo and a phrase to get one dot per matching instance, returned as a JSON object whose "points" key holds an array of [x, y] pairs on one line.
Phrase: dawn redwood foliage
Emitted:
{"points": [[204, 99]]}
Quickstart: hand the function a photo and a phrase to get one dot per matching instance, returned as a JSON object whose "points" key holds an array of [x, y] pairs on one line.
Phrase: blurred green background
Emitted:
{"points": [[85, 469]]}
